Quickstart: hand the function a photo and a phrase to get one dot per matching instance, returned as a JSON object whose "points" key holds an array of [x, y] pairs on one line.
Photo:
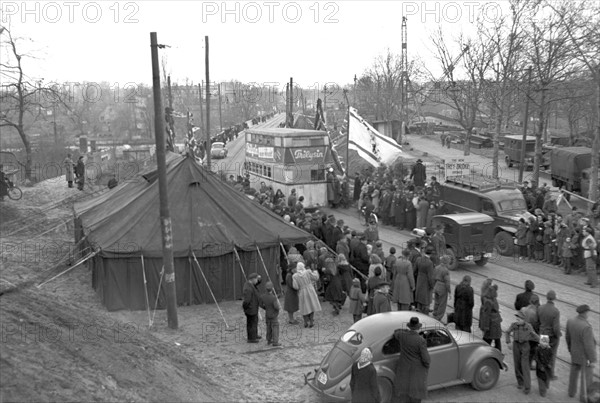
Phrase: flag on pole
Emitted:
{"points": [[371, 145]]}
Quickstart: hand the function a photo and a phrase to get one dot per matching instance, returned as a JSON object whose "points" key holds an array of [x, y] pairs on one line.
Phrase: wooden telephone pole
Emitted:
{"points": [[165, 217], [525, 121], [208, 145]]}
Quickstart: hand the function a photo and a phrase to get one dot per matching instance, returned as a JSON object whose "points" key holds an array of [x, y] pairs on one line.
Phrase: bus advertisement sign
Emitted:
{"points": [[306, 155]]}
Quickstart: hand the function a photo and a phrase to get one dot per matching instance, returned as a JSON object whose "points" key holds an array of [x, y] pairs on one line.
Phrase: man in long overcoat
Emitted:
{"points": [[412, 368], [80, 173], [250, 305], [418, 174], [582, 346], [425, 282], [550, 325]]}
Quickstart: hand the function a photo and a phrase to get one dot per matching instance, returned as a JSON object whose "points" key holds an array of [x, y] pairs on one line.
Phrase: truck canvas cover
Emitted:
{"points": [[570, 161]]}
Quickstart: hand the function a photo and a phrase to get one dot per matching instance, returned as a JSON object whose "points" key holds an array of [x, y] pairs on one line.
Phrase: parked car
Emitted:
{"points": [[469, 237], [457, 357], [218, 150]]}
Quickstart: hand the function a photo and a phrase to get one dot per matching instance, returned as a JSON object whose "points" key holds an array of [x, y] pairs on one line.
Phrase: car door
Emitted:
{"points": [[444, 355]]}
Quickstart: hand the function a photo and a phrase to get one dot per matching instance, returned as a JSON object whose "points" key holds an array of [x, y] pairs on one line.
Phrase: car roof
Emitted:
{"points": [[218, 143], [466, 218], [387, 322]]}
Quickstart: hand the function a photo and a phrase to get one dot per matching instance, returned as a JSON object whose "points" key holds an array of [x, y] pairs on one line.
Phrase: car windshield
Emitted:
{"points": [[352, 337], [218, 145], [513, 204]]}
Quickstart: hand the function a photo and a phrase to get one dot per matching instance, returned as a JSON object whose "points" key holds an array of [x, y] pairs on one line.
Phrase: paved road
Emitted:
{"points": [[570, 290]]}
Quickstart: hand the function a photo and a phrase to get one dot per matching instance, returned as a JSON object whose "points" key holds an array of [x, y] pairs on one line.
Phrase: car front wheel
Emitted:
{"points": [[453, 265], [386, 389], [486, 375], [504, 242]]}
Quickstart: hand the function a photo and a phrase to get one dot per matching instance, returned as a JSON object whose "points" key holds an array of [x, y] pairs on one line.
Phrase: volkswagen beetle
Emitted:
{"points": [[457, 357], [218, 150]]}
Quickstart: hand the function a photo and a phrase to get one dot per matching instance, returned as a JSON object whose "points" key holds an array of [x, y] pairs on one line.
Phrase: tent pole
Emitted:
{"points": [[244, 272], [190, 282], [68, 270], [233, 273], [146, 288], [210, 289], [162, 273], [263, 263]]}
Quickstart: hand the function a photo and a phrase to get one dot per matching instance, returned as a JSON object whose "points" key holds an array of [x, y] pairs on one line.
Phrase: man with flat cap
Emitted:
{"points": [[549, 317], [250, 305], [582, 347], [412, 368], [523, 334]]}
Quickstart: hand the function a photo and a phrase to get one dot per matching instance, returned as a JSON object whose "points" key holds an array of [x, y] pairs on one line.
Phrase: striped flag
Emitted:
{"points": [[371, 145]]}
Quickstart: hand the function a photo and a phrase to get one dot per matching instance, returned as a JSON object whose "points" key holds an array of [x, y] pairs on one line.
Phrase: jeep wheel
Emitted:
{"points": [[386, 389], [453, 265], [508, 162], [481, 262], [504, 242]]}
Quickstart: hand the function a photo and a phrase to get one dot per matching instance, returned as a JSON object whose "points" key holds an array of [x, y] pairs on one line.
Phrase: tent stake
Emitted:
{"points": [[211, 293], [146, 288], [68, 270]]}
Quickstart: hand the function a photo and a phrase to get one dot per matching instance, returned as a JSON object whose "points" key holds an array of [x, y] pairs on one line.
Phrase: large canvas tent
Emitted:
{"points": [[211, 221]]}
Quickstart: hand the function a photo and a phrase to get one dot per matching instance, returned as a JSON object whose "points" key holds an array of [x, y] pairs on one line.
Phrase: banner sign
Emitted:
{"points": [[458, 167], [308, 155], [263, 153]]}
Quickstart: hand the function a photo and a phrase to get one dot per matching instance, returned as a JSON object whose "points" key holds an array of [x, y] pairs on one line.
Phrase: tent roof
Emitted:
{"points": [[208, 216]]}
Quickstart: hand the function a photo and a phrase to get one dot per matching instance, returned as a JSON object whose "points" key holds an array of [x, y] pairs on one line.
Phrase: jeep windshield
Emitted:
{"points": [[512, 205]]}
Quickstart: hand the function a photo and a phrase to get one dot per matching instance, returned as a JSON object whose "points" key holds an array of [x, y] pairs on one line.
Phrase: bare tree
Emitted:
{"points": [[465, 95], [552, 65], [581, 23], [20, 96], [506, 39]]}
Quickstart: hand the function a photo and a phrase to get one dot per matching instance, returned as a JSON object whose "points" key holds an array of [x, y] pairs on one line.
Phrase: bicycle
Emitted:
{"points": [[13, 191]]}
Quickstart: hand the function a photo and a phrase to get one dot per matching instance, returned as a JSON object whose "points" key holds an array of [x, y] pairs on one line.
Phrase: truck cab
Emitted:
{"points": [[501, 200], [513, 147]]}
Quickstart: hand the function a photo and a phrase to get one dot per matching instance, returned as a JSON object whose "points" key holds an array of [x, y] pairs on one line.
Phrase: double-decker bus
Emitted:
{"points": [[287, 159]]}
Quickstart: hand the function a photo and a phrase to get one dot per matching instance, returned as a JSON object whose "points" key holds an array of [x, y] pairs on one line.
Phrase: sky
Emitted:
{"points": [[315, 42]]}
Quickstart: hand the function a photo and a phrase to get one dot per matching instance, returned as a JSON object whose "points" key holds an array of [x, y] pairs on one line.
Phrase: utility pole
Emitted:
{"points": [[220, 113], [325, 104], [354, 93], [165, 217], [525, 121], [348, 138], [201, 113], [291, 115], [54, 122], [208, 145]]}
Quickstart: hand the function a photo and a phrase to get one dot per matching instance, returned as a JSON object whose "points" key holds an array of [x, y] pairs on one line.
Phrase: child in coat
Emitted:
{"points": [[357, 300], [270, 303], [567, 254]]}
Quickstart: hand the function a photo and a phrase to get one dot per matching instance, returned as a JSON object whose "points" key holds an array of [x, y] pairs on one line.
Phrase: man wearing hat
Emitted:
{"points": [[425, 282], [418, 174], [549, 317], [413, 365], [250, 305], [522, 333], [582, 347], [381, 299]]}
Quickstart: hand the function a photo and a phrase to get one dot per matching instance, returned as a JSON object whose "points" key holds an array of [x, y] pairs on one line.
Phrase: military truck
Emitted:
{"points": [[512, 152], [568, 165], [501, 200]]}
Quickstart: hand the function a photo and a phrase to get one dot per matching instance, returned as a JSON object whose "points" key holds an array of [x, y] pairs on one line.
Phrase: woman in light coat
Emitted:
{"points": [[307, 296]]}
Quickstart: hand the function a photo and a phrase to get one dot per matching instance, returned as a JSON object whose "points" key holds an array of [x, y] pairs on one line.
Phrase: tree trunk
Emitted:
{"points": [[467, 150], [496, 139], [593, 191], [538, 141], [28, 154]]}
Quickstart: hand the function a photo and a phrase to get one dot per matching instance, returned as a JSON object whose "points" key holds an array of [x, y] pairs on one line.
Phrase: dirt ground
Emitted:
{"points": [[58, 343]]}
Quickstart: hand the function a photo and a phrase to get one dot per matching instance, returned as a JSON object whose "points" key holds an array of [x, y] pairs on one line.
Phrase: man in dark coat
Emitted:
{"points": [[425, 282], [418, 174], [381, 298], [413, 365], [463, 305], [357, 186], [550, 325], [361, 260], [270, 303], [80, 173], [250, 305], [582, 347], [523, 298]]}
